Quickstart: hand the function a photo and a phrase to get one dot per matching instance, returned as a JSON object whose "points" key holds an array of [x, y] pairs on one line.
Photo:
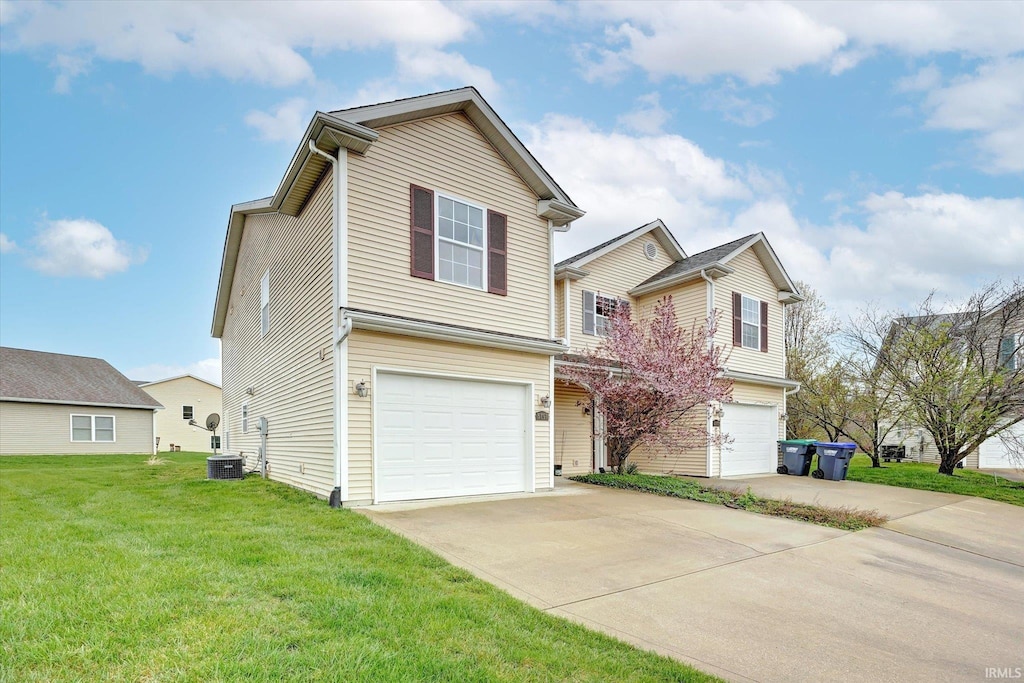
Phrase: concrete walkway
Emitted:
{"points": [[938, 594]]}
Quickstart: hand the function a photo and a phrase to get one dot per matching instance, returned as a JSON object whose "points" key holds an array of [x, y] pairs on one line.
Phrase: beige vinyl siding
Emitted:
{"points": [[574, 447], [370, 349], [292, 382], [751, 279], [690, 301], [613, 274], [446, 154], [661, 459], [45, 429], [171, 428], [560, 288]]}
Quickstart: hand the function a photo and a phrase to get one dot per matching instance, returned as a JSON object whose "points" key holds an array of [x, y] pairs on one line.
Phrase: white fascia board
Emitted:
{"points": [[570, 273], [775, 270], [49, 401], [654, 226], [714, 270], [375, 322], [559, 213], [751, 378]]}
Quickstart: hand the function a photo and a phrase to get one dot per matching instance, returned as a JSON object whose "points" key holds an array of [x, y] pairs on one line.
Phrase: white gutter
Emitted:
{"points": [[551, 359], [342, 327], [380, 322], [709, 305]]}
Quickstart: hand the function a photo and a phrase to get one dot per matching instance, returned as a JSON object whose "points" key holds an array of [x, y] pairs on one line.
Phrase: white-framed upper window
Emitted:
{"points": [[461, 242], [1009, 353], [245, 418], [597, 312], [265, 303], [93, 428], [187, 413], [751, 311]]}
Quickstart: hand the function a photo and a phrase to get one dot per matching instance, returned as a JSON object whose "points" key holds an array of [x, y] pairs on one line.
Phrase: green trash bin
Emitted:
{"points": [[796, 456]]}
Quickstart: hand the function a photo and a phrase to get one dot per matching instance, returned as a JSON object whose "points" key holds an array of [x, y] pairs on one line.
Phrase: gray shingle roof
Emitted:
{"points": [[58, 378], [699, 260]]}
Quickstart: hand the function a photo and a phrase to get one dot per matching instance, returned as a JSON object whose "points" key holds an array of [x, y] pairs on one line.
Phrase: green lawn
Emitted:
{"points": [[838, 518], [917, 475], [115, 570]]}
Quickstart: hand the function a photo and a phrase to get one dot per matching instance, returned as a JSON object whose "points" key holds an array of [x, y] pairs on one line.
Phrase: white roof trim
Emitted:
{"points": [[654, 226], [712, 270], [376, 322], [18, 399], [471, 103], [751, 378], [171, 379], [767, 254]]}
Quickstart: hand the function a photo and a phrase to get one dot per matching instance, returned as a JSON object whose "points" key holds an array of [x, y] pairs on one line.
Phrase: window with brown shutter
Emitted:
{"points": [[737, 319], [764, 327], [421, 232], [497, 253]]}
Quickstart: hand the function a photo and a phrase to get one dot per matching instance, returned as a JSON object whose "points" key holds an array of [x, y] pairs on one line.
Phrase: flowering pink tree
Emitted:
{"points": [[652, 381]]}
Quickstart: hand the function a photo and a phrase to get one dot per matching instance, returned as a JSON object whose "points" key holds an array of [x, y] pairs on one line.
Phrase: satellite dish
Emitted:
{"points": [[212, 421]]}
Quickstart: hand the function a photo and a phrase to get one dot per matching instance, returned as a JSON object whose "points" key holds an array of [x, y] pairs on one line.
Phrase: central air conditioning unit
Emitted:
{"points": [[225, 467]]}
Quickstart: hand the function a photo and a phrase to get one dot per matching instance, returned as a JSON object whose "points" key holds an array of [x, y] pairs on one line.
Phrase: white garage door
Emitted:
{"points": [[995, 452], [438, 437], [754, 434]]}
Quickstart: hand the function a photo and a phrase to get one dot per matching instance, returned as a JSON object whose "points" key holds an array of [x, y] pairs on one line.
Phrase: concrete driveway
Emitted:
{"points": [[938, 594]]}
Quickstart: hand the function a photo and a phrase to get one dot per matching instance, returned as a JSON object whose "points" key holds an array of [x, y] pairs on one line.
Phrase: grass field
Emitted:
{"points": [[115, 570], [917, 475], [837, 518]]}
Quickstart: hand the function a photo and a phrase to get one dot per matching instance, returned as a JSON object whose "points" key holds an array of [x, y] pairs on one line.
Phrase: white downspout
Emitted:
{"points": [[551, 359], [342, 326], [709, 306]]}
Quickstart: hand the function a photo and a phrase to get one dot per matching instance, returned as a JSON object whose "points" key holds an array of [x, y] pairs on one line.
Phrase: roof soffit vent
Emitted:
{"points": [[651, 250]]}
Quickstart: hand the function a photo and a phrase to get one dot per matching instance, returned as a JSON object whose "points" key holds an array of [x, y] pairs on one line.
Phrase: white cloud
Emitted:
{"points": [[208, 369], [923, 79], [698, 40], [989, 103], [420, 65], [68, 67], [647, 117], [7, 245], [287, 121], [758, 41], [255, 41], [740, 110], [81, 248]]}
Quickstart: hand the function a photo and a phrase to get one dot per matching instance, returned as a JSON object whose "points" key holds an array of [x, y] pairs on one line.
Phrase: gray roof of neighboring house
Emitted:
{"points": [[41, 377], [699, 260], [588, 252]]}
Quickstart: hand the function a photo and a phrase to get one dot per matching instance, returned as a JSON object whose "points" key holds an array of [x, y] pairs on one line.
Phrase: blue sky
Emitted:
{"points": [[879, 146]]}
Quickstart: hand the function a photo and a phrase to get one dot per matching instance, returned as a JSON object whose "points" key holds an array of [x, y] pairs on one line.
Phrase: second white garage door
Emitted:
{"points": [[754, 431], [438, 437], [995, 453]]}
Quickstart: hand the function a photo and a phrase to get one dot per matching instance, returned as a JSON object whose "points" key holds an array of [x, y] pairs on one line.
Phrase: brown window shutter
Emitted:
{"points": [[764, 327], [421, 232], [497, 253], [737, 319]]}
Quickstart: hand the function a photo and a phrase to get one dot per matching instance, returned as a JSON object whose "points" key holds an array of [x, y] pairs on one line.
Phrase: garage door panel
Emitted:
{"points": [[753, 449], [442, 437], [996, 453]]}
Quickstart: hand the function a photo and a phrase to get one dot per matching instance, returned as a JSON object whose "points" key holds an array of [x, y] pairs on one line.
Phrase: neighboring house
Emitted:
{"points": [[386, 317], [51, 403], [743, 281], [184, 398], [1007, 352]]}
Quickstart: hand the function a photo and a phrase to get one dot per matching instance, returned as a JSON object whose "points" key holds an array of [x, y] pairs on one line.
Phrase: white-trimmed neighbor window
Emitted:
{"points": [[93, 428], [461, 242], [1009, 354], [751, 323], [245, 418], [186, 412], [265, 303]]}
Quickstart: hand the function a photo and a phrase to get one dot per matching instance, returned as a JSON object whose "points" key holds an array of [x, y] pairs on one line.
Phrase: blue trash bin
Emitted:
{"points": [[833, 460]]}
